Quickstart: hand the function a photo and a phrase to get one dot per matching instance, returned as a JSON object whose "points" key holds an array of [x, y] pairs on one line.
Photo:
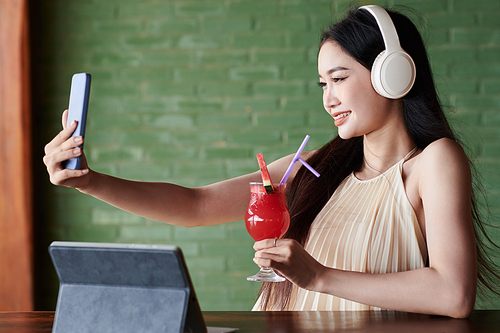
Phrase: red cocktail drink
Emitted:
{"points": [[267, 214], [267, 217]]}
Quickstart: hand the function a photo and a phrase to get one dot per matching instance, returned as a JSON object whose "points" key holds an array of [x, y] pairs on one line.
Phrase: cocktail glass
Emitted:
{"points": [[267, 217]]}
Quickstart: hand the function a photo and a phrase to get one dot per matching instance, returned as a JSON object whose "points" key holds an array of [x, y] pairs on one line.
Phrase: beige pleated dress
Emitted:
{"points": [[366, 226]]}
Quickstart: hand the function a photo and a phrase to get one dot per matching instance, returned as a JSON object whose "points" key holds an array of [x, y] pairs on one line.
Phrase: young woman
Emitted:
{"points": [[390, 222]]}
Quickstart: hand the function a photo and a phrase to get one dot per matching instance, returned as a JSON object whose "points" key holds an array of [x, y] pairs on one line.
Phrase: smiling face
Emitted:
{"points": [[348, 95]]}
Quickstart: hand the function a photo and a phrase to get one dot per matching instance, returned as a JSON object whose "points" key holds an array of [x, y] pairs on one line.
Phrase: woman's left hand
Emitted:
{"points": [[290, 259]]}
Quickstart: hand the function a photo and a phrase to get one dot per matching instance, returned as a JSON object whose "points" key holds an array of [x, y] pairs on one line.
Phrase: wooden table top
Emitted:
{"points": [[300, 321]]}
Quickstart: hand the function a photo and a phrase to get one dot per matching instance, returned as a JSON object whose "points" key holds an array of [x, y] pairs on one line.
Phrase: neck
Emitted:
{"points": [[384, 149]]}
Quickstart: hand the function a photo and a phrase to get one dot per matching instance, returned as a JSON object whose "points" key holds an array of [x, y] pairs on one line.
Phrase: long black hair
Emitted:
{"points": [[358, 34]]}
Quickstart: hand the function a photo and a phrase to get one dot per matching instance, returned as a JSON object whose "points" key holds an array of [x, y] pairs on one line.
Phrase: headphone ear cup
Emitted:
{"points": [[376, 75], [393, 74]]}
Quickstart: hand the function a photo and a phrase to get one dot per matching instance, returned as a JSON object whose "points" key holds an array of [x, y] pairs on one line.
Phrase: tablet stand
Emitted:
{"points": [[112, 289]]}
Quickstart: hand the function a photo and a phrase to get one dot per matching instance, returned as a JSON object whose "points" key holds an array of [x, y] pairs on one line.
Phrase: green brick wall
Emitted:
{"points": [[190, 91]]}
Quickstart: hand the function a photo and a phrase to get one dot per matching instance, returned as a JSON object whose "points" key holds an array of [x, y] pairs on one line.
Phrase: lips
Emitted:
{"points": [[340, 117]]}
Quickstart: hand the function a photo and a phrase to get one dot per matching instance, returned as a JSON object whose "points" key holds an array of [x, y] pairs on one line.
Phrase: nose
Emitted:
{"points": [[330, 99]]}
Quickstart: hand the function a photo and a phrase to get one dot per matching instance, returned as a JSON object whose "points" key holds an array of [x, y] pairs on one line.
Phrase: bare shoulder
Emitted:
{"points": [[444, 153], [443, 145], [444, 160]]}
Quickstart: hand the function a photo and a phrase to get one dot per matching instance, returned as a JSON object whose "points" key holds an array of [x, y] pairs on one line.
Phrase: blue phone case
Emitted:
{"points": [[78, 106]]}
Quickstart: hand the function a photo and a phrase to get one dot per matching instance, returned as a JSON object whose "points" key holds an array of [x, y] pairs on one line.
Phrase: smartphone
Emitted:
{"points": [[77, 110]]}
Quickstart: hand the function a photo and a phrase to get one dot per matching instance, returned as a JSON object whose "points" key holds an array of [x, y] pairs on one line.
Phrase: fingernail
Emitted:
{"points": [[76, 151], [73, 123], [78, 139], [84, 171]]}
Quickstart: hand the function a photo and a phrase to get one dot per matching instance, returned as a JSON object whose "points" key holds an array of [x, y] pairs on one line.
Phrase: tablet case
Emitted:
{"points": [[123, 288]]}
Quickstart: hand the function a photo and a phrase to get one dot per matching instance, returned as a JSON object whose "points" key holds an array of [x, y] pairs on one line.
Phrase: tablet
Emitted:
{"points": [[110, 287]]}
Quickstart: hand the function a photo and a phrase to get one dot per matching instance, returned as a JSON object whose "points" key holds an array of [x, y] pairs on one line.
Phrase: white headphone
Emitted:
{"points": [[393, 71]]}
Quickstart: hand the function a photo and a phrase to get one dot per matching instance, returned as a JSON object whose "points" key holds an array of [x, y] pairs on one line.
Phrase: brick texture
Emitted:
{"points": [[190, 91]]}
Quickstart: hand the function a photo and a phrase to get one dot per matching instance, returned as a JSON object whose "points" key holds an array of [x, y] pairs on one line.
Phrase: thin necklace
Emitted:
{"points": [[410, 154], [369, 165]]}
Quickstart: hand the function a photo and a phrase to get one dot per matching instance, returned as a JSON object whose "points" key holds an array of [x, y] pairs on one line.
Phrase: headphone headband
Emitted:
{"points": [[393, 71], [386, 26]]}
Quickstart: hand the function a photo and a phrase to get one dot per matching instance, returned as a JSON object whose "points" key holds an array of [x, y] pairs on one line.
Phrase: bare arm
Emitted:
{"points": [[217, 203], [446, 287], [165, 202]]}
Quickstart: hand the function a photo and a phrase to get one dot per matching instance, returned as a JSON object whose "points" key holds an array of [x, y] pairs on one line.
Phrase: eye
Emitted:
{"points": [[321, 85], [338, 79]]}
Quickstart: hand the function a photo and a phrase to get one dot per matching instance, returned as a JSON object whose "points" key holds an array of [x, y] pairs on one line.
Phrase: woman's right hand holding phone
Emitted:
{"points": [[62, 148]]}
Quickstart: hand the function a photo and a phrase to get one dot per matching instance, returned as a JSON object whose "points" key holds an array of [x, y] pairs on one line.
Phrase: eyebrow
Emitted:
{"points": [[336, 69]]}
